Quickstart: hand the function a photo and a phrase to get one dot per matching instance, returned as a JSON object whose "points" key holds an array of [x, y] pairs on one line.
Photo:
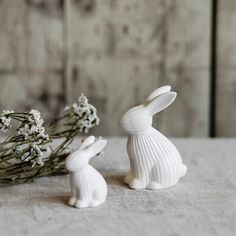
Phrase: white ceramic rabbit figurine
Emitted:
{"points": [[154, 160], [88, 187]]}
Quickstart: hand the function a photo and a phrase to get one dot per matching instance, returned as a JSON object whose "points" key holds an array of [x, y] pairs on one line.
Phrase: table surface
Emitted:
{"points": [[202, 203]]}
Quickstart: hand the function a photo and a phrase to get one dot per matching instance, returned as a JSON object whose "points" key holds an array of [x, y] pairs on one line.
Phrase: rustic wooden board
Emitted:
{"points": [[226, 69], [12, 39], [31, 35], [116, 52], [31, 58], [189, 115], [44, 93], [122, 50]]}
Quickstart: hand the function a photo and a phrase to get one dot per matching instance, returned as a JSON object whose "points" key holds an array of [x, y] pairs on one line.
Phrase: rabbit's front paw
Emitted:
{"points": [[128, 178], [72, 201], [95, 203], [136, 184], [154, 185], [81, 204], [184, 170]]}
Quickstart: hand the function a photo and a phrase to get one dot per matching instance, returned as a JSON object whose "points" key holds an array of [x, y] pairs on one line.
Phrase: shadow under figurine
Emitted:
{"points": [[88, 187], [154, 160]]}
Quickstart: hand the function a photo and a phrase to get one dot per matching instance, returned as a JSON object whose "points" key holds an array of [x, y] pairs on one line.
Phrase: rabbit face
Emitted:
{"points": [[76, 161], [139, 119], [79, 159], [136, 120]]}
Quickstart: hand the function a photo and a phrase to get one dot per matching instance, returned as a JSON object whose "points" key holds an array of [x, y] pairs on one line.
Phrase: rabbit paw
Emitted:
{"points": [[184, 170], [136, 184], [95, 203], [128, 178], [72, 201], [154, 185], [81, 204]]}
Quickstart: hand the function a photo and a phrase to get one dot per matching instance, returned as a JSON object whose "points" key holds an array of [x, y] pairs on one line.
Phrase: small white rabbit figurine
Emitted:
{"points": [[88, 187], [154, 160]]}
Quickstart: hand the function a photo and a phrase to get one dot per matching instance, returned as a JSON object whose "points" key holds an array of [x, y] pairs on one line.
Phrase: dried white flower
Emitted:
{"points": [[74, 105], [83, 114], [30, 144], [33, 127], [5, 120], [7, 112], [24, 131], [42, 134], [18, 150], [35, 117], [83, 100], [37, 154]]}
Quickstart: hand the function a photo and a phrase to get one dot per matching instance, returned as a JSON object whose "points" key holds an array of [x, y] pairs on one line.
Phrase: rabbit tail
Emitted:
{"points": [[184, 170]]}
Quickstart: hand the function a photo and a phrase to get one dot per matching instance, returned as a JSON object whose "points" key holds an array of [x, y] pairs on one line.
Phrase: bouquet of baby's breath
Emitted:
{"points": [[27, 152]]}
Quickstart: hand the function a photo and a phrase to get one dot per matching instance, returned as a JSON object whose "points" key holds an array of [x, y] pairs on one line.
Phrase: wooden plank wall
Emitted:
{"points": [[31, 65], [116, 52], [226, 69]]}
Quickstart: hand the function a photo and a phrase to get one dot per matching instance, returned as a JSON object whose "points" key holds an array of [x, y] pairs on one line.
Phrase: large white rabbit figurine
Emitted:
{"points": [[154, 160], [88, 187]]}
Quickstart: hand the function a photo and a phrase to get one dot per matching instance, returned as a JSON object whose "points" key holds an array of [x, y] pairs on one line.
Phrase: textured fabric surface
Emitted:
{"points": [[203, 203]]}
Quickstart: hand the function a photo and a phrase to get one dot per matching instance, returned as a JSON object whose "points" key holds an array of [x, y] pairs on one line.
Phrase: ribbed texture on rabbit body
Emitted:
{"points": [[155, 162], [88, 185], [81, 186]]}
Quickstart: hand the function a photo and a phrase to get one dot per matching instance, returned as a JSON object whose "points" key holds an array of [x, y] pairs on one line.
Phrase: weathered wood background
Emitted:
{"points": [[116, 52]]}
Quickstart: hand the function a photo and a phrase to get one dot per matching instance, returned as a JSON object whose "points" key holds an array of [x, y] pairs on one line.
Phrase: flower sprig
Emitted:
{"points": [[5, 120], [80, 116], [27, 153]]}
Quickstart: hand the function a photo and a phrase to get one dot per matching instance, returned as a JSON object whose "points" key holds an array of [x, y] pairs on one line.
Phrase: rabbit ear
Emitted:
{"points": [[158, 92], [96, 147], [87, 142], [161, 102]]}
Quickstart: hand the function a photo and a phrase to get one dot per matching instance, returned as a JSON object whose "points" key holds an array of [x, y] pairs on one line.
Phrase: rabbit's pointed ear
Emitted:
{"points": [[158, 92], [96, 147], [161, 102], [87, 142]]}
